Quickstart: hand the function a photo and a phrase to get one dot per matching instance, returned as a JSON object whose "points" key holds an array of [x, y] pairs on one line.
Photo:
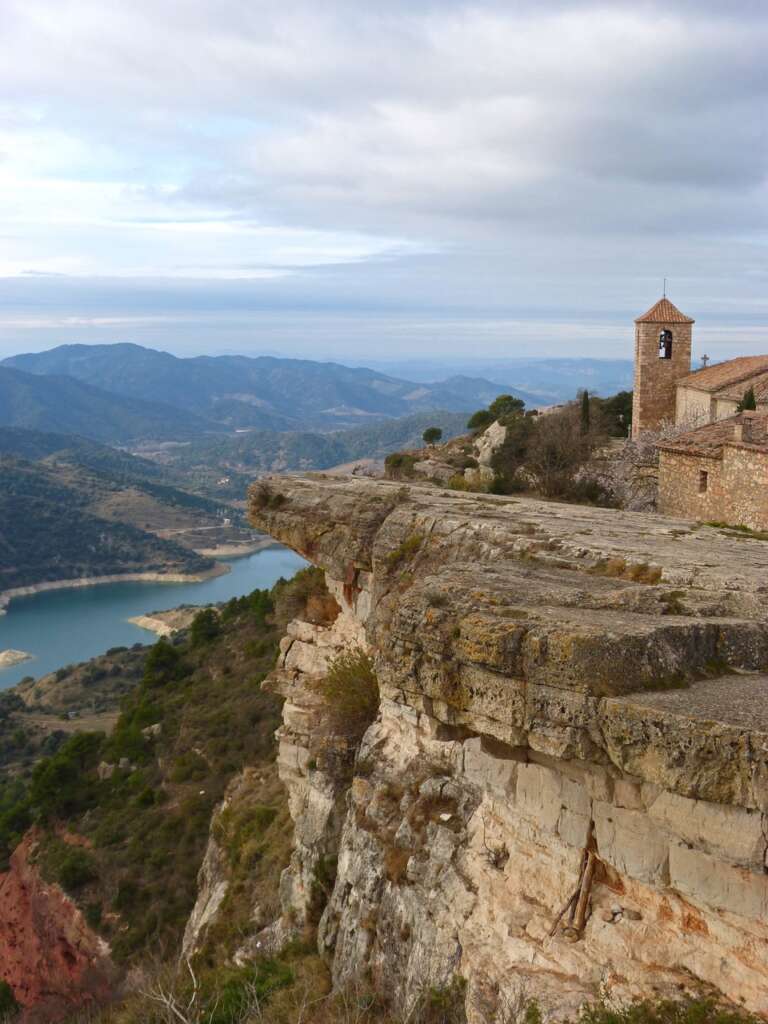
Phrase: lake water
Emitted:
{"points": [[62, 627]]}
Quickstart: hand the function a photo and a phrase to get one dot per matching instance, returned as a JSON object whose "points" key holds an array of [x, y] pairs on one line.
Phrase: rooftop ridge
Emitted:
{"points": [[664, 312]]}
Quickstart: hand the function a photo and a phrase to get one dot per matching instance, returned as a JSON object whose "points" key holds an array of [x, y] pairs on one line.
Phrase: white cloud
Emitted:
{"points": [[558, 154]]}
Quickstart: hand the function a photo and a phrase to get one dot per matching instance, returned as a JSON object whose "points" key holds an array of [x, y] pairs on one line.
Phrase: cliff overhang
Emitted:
{"points": [[560, 686]]}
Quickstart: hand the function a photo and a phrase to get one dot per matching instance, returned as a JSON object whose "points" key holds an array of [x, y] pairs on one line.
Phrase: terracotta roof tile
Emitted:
{"points": [[736, 391], [710, 439], [722, 375], [664, 312]]}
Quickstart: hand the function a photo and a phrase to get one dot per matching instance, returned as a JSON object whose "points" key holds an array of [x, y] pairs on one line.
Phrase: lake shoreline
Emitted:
{"points": [[220, 569]]}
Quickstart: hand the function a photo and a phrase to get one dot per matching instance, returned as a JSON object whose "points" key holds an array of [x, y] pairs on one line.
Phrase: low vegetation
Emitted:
{"points": [[351, 692], [138, 803], [399, 466]]}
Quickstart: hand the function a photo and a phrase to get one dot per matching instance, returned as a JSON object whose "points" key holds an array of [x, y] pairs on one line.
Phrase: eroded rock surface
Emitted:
{"points": [[559, 685], [49, 956]]}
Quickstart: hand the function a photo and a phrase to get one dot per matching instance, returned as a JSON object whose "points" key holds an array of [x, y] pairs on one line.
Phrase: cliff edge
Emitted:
{"points": [[564, 792]]}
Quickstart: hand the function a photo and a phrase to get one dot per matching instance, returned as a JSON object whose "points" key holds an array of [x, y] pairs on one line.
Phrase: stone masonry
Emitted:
{"points": [[655, 388], [718, 473]]}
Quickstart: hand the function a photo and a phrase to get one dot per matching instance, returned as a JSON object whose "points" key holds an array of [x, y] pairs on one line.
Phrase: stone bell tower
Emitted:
{"points": [[662, 357]]}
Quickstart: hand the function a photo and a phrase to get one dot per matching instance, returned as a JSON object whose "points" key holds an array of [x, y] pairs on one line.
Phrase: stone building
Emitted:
{"points": [[714, 392], [718, 472], [666, 391], [662, 358]]}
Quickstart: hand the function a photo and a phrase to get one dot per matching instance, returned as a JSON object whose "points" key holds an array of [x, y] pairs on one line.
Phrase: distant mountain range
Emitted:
{"points": [[226, 393], [64, 405], [548, 380]]}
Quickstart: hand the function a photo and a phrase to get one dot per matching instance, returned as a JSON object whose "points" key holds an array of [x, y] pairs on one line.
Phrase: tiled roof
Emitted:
{"points": [[664, 312], [710, 439], [722, 375], [758, 383]]}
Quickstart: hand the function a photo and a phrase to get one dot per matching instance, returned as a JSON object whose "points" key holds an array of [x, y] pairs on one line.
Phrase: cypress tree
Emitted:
{"points": [[585, 423], [748, 402]]}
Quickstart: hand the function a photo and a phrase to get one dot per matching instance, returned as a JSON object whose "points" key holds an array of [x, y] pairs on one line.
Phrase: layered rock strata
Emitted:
{"points": [[565, 791]]}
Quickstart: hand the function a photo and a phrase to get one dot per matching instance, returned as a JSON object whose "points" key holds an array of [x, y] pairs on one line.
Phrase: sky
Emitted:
{"points": [[371, 181]]}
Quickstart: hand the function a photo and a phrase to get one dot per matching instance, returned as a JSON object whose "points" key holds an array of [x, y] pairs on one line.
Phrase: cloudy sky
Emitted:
{"points": [[373, 180]]}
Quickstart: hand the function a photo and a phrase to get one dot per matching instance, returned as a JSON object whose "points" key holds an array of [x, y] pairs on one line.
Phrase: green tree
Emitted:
{"points": [[615, 412], [63, 785], [585, 412], [163, 664], [506, 407], [205, 627], [748, 402], [480, 420], [431, 435], [8, 1004]]}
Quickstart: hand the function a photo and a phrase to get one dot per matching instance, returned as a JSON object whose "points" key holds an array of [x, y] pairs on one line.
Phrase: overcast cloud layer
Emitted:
{"points": [[396, 178]]}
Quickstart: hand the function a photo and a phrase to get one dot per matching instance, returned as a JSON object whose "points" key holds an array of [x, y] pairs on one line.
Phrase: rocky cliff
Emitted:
{"points": [[565, 789]]}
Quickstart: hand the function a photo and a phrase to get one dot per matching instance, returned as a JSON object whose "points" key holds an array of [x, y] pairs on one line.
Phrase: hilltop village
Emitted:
{"points": [[717, 468]]}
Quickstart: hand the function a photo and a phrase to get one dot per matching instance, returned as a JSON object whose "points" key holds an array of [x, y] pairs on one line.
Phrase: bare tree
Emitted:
{"points": [[631, 474]]}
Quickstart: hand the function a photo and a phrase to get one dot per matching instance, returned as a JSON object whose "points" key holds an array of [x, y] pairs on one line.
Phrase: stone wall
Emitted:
{"points": [[693, 407], [654, 396], [736, 487], [552, 693]]}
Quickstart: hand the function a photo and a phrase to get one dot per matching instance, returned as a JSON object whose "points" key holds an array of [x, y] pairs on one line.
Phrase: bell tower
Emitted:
{"points": [[662, 356]]}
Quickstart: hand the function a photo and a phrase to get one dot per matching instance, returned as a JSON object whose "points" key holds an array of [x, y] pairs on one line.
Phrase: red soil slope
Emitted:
{"points": [[48, 954]]}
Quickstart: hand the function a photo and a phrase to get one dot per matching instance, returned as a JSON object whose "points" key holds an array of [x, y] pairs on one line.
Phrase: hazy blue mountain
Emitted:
{"points": [[64, 405], [546, 380], [267, 393]]}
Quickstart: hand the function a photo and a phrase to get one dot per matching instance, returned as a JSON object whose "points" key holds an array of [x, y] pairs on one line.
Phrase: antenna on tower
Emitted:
{"points": [[665, 287]]}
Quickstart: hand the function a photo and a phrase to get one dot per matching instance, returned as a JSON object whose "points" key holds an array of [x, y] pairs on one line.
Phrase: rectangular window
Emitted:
{"points": [[703, 481]]}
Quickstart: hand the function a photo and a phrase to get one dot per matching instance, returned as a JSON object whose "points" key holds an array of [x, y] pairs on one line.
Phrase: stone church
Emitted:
{"points": [[718, 470]]}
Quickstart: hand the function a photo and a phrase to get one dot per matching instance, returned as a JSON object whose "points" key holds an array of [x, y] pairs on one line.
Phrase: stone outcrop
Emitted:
{"points": [[53, 962], [10, 657], [565, 791]]}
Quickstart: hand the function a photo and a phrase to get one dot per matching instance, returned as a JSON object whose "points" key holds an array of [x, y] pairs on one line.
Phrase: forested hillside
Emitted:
{"points": [[126, 843], [47, 532]]}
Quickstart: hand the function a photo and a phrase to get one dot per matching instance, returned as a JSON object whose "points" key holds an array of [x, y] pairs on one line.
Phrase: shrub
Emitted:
{"points": [[351, 691], [293, 599], [406, 550], [399, 465], [71, 867], [480, 420], [8, 1004], [666, 1011], [458, 482]]}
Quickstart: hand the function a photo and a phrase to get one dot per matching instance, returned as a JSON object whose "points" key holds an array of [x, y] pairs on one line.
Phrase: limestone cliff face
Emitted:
{"points": [[565, 791], [49, 956]]}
